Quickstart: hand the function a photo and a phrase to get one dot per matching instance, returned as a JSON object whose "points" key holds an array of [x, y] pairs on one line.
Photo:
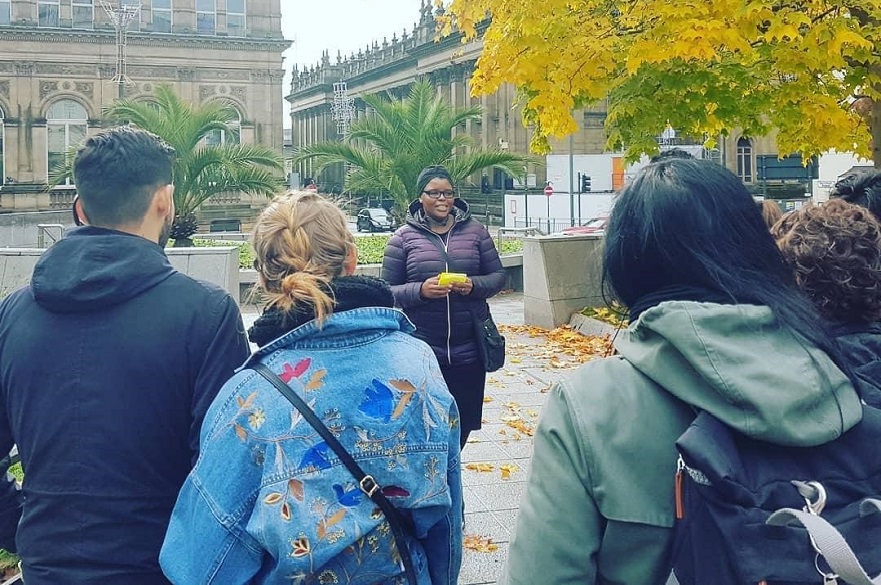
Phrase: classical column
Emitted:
{"points": [[455, 84]]}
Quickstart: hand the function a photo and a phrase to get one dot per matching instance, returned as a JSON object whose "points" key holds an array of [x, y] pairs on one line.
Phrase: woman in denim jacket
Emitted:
{"points": [[268, 501]]}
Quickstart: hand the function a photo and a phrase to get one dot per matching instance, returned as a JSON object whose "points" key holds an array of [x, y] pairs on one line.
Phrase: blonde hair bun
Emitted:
{"points": [[302, 241]]}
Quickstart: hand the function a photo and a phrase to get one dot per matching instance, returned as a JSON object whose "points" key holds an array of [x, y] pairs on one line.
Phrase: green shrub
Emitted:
{"points": [[246, 251], [370, 248], [8, 561], [509, 246]]}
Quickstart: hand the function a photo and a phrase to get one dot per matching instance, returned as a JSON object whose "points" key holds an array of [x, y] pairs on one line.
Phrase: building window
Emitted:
{"points": [[161, 10], [206, 16], [232, 136], [66, 123], [82, 13], [235, 18], [48, 12], [5, 13], [745, 160]]}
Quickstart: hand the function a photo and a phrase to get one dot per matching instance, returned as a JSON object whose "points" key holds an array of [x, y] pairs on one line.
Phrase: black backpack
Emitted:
{"points": [[754, 513]]}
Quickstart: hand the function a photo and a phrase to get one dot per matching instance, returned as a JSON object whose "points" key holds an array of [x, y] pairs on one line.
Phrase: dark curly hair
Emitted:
{"points": [[835, 250], [862, 188]]}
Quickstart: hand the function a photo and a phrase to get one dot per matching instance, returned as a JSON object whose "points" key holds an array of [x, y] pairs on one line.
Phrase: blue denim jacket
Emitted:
{"points": [[269, 502]]}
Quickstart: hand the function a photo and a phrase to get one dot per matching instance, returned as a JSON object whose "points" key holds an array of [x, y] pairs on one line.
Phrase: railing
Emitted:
{"points": [[61, 199], [228, 198], [543, 225], [48, 234]]}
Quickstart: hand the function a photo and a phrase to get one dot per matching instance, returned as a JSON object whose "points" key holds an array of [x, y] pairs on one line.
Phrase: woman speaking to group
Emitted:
{"points": [[441, 236]]}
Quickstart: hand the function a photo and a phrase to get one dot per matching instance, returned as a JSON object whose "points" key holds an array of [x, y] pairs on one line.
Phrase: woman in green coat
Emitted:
{"points": [[717, 324]]}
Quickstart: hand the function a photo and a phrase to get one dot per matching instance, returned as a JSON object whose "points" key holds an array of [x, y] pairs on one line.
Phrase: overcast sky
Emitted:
{"points": [[344, 25]]}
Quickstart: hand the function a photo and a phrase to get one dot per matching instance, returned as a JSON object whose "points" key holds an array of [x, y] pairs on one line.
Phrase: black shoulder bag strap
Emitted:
{"points": [[366, 482]]}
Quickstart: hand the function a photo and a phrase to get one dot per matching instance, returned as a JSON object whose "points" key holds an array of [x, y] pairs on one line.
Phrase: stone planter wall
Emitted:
{"points": [[216, 265], [513, 264], [561, 275]]}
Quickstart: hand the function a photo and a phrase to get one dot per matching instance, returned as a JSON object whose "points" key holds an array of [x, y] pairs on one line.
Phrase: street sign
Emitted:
{"points": [[549, 190]]}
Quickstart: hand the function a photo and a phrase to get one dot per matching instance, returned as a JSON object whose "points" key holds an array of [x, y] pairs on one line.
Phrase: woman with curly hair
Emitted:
{"points": [[835, 250]]}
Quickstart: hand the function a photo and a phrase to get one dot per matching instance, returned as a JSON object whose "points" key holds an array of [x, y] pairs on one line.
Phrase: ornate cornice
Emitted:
{"points": [[173, 40], [162, 72]]}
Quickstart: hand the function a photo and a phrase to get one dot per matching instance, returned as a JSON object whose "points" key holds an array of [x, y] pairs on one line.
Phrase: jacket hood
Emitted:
{"points": [[736, 363], [416, 215], [93, 268]]}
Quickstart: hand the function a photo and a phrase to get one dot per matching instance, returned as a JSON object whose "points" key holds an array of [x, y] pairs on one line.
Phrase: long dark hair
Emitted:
{"points": [[691, 224]]}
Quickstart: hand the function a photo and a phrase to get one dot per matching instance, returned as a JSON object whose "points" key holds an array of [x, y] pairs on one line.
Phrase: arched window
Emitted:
{"points": [[2, 152], [234, 136], [66, 123], [745, 160]]}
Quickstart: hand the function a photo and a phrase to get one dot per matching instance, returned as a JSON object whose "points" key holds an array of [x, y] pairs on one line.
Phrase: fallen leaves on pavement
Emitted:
{"points": [[479, 543], [514, 418], [480, 466], [564, 347], [507, 470]]}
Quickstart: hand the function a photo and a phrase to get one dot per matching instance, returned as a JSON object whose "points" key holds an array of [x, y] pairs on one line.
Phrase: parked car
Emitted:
{"points": [[375, 219], [595, 226]]}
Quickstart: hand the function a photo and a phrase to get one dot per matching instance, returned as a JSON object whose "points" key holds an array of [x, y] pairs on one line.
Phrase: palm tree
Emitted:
{"points": [[200, 170], [386, 150]]}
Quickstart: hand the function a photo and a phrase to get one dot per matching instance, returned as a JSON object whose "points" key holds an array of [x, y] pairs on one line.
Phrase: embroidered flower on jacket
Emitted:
{"points": [[256, 418]]}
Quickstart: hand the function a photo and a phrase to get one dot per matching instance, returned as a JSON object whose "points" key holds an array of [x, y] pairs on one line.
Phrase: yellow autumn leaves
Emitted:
{"points": [[713, 65], [506, 470]]}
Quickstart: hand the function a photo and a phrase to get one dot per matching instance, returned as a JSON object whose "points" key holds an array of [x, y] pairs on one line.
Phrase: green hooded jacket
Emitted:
{"points": [[598, 506]]}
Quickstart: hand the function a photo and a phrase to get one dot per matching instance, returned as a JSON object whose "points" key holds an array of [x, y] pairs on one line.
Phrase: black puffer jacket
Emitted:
{"points": [[861, 346], [411, 258]]}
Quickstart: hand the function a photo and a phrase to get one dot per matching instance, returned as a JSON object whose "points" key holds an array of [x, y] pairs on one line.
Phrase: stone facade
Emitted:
{"points": [[58, 61], [391, 66]]}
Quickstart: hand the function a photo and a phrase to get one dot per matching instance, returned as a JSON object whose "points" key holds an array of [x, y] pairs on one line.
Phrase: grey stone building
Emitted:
{"points": [[391, 66], [58, 59]]}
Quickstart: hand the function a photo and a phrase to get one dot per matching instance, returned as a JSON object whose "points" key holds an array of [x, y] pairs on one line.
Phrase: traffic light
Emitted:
{"points": [[585, 183]]}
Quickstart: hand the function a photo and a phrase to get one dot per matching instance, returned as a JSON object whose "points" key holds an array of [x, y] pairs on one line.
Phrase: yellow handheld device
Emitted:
{"points": [[445, 278]]}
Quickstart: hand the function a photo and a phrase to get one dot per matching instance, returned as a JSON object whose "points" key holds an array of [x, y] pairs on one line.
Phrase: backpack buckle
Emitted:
{"points": [[814, 495]]}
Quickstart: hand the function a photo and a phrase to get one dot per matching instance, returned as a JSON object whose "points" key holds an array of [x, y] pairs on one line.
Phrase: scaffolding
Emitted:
{"points": [[343, 109], [121, 17]]}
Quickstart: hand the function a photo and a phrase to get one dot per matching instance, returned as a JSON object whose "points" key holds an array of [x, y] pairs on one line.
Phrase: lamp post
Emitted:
{"points": [[121, 17], [571, 184]]}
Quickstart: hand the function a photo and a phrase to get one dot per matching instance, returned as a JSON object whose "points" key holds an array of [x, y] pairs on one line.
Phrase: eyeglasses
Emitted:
{"points": [[437, 194]]}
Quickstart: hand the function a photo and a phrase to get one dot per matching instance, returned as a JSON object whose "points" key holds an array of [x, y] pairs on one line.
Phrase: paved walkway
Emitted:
{"points": [[496, 459]]}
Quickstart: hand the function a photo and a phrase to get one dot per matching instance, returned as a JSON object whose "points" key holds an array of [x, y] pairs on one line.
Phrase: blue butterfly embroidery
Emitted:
{"points": [[348, 496], [316, 457], [379, 402]]}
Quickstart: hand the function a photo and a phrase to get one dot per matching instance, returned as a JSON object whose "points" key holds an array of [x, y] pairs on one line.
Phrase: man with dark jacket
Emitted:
{"points": [[108, 362]]}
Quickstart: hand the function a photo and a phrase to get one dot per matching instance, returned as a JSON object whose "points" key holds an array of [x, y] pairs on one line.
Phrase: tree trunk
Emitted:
{"points": [[183, 243], [875, 125]]}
